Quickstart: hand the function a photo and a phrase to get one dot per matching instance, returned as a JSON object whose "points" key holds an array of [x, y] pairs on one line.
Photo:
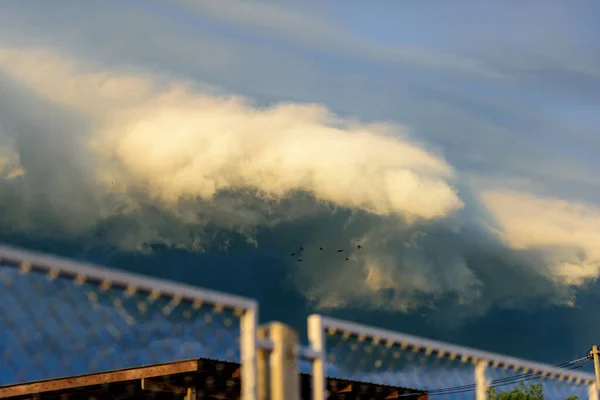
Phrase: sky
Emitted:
{"points": [[204, 141]]}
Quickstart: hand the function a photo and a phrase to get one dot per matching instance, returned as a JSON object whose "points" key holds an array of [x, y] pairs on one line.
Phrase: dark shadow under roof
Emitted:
{"points": [[213, 379]]}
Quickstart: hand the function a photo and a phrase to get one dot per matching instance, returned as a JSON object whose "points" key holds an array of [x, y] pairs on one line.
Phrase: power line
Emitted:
{"points": [[493, 384], [496, 385], [574, 364]]}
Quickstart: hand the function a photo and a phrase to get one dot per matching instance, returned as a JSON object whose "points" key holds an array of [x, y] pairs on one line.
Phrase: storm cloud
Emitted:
{"points": [[180, 157], [205, 145]]}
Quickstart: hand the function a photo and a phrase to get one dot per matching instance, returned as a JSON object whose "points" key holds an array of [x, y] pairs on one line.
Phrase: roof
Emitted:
{"points": [[213, 379]]}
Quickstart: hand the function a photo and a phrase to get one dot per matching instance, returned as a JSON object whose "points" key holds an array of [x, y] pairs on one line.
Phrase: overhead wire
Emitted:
{"points": [[517, 378], [466, 390]]}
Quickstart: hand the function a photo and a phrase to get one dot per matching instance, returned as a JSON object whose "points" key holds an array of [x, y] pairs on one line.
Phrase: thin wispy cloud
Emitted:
{"points": [[317, 34]]}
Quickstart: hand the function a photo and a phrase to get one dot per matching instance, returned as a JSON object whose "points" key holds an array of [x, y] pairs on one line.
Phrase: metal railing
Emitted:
{"points": [[61, 318], [440, 369]]}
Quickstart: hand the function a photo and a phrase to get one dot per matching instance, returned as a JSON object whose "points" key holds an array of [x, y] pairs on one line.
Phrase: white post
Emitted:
{"points": [[316, 337], [596, 365], [593, 392], [262, 370], [248, 326], [481, 382], [284, 376]]}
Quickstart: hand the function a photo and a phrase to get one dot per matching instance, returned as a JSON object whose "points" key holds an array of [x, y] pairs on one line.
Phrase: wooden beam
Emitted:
{"points": [[98, 379], [154, 386], [347, 389], [191, 394]]}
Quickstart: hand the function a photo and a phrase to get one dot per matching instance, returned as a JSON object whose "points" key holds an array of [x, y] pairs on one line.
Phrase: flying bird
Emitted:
{"points": [[300, 260], [301, 248], [346, 259], [339, 251], [359, 246], [320, 248], [292, 255]]}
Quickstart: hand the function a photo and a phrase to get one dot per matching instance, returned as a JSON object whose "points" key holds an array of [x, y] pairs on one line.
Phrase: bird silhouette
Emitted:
{"points": [[339, 251], [346, 259], [292, 255], [320, 248], [300, 260], [359, 246], [301, 248]]}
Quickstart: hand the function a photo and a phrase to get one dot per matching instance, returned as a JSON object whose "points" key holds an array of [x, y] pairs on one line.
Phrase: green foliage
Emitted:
{"points": [[522, 392]]}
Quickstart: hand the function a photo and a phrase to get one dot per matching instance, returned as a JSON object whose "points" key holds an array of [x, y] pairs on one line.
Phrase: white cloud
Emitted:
{"points": [[172, 145], [10, 165], [181, 146], [566, 232], [391, 271], [178, 142]]}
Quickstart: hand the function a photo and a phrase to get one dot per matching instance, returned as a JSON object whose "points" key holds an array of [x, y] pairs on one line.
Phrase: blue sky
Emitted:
{"points": [[202, 140]]}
